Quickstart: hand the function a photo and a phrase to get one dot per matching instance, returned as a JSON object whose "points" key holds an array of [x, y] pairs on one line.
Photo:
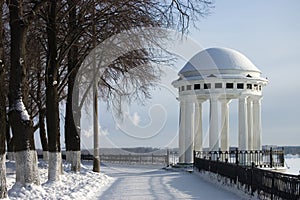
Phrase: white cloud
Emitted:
{"points": [[103, 132], [87, 133], [135, 119], [90, 132]]}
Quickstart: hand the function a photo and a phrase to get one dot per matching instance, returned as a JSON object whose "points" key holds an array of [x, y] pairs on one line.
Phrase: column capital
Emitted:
{"points": [[243, 97], [183, 99], [257, 98], [200, 100], [225, 100], [187, 99], [188, 102], [214, 97], [249, 100]]}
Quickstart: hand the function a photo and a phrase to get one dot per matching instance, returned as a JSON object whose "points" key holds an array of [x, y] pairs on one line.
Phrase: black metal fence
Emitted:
{"points": [[143, 159], [269, 184], [131, 159], [261, 158]]}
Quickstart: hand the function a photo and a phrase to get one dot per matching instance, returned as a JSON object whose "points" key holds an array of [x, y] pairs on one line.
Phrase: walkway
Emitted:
{"points": [[145, 183]]}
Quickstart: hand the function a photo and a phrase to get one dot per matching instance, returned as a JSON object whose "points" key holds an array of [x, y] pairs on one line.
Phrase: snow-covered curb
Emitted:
{"points": [[225, 184]]}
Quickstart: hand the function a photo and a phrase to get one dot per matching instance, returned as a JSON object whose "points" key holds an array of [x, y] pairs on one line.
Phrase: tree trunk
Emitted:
{"points": [[3, 187], [72, 130], [73, 115], [52, 113], [43, 136], [42, 114], [21, 124], [9, 143]]}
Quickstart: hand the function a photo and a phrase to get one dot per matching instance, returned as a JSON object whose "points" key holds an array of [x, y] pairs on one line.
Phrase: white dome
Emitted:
{"points": [[219, 61]]}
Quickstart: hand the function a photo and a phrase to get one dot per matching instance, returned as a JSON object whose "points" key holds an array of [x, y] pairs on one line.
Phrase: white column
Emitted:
{"points": [[214, 125], [257, 130], [225, 124], [250, 123], [243, 125], [182, 132], [189, 131], [198, 125]]}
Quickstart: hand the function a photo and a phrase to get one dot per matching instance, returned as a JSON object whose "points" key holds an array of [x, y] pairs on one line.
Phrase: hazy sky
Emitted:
{"points": [[268, 33]]}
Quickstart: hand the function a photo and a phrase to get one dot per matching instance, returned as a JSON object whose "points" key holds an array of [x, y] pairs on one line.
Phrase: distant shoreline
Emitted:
{"points": [[291, 150]]}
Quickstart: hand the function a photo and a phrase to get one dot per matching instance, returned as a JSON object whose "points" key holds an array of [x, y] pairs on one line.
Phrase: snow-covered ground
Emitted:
{"points": [[292, 162], [154, 183], [118, 182], [127, 182], [83, 185]]}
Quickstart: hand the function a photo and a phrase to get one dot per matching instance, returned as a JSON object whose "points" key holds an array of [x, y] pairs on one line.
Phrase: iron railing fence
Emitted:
{"points": [[143, 159], [269, 184], [260, 158], [131, 159]]}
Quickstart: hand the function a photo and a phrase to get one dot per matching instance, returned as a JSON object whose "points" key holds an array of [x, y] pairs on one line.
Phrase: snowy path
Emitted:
{"points": [[142, 183]]}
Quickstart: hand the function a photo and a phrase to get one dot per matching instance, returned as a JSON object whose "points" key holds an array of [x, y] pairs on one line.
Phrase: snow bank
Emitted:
{"points": [[89, 185], [292, 163], [224, 183], [292, 167], [83, 185]]}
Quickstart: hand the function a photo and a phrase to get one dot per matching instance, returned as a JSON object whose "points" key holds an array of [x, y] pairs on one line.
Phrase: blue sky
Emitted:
{"points": [[267, 32]]}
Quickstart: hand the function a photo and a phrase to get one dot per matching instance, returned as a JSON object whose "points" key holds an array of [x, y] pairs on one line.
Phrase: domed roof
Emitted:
{"points": [[219, 61]]}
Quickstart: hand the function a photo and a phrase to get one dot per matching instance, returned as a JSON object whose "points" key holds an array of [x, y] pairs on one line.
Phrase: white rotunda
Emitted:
{"points": [[219, 75]]}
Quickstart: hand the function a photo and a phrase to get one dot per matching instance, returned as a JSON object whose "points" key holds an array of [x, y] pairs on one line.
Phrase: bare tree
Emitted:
{"points": [[20, 121], [132, 69], [5, 70], [93, 22], [9, 144], [52, 97], [114, 17], [3, 188], [65, 39], [36, 61], [72, 132]]}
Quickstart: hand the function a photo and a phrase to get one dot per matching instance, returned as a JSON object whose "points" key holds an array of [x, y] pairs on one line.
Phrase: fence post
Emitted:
{"points": [[130, 158], [251, 178], [273, 177], [168, 157], [282, 157], [152, 159], [271, 158], [236, 156]]}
